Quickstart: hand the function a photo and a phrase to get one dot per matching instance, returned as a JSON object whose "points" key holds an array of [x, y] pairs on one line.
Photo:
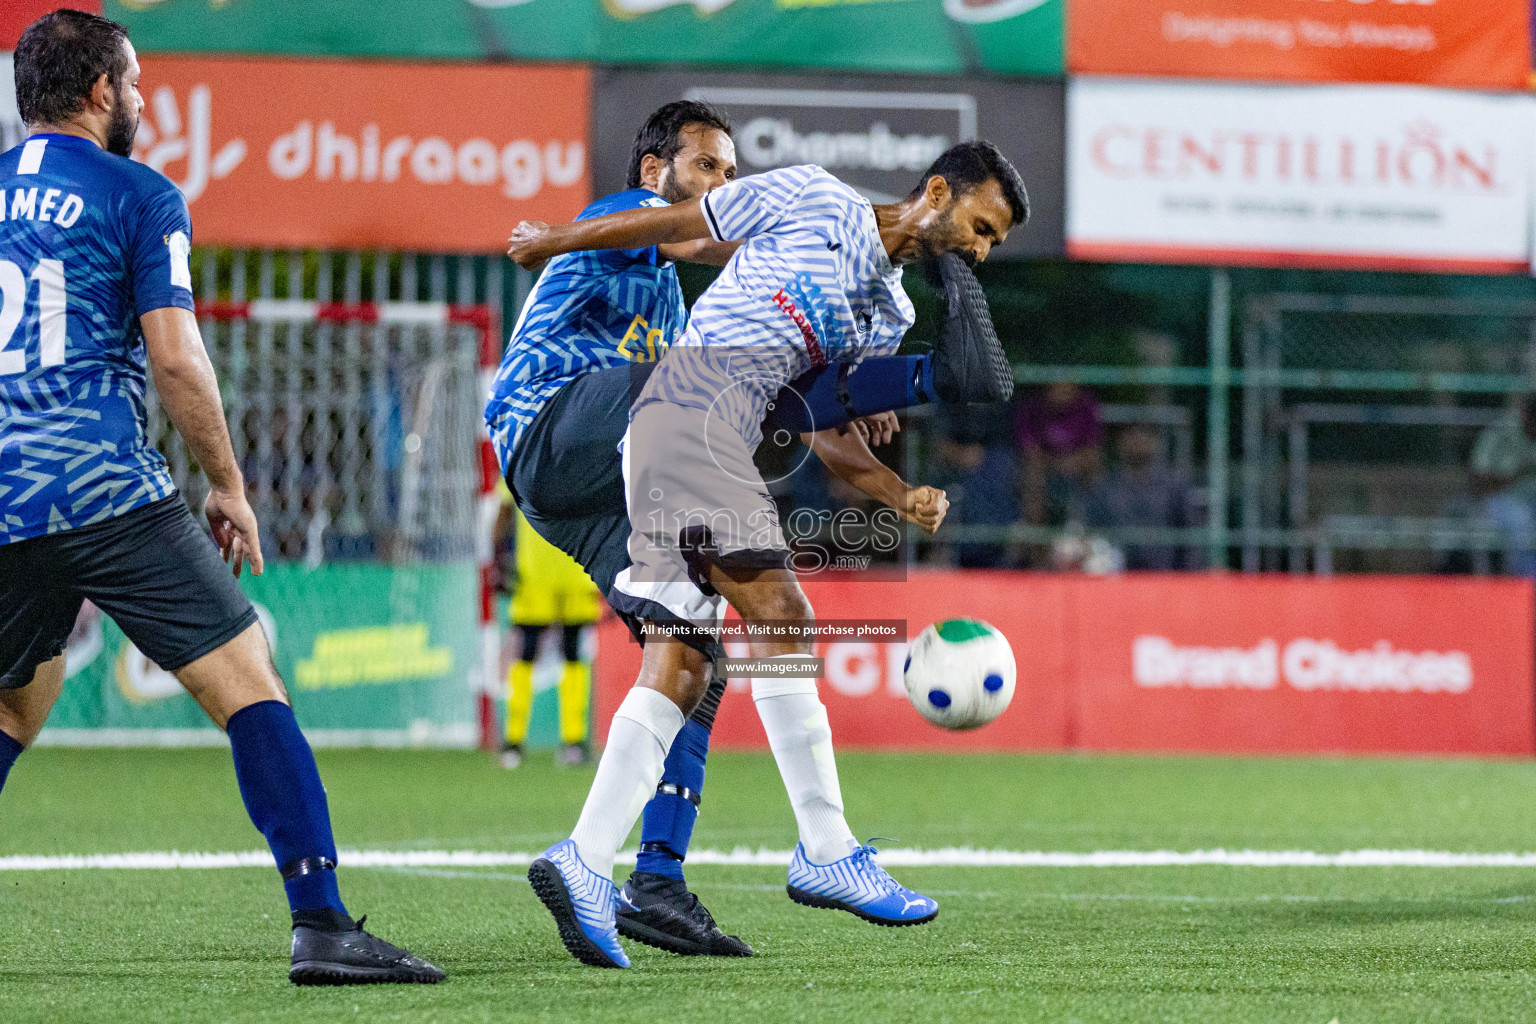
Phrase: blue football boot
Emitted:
{"points": [[581, 901], [860, 886]]}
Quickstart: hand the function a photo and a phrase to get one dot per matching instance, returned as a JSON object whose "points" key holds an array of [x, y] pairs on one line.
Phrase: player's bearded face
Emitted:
{"points": [[672, 188], [124, 124], [943, 236]]}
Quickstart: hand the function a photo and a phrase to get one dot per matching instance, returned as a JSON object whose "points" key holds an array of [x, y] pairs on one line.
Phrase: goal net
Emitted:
{"points": [[359, 432]]}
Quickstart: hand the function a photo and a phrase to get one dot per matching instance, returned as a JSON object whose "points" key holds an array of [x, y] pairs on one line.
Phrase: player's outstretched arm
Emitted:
{"points": [[706, 251], [534, 242], [845, 452], [189, 391]]}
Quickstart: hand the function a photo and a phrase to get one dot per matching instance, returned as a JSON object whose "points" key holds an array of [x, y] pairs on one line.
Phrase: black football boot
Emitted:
{"points": [[661, 912], [969, 364], [332, 949]]}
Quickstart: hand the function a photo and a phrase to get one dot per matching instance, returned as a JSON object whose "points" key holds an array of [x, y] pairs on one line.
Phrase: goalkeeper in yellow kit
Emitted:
{"points": [[550, 590]]}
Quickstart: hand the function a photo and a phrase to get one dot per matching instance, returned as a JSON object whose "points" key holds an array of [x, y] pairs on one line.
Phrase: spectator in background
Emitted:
{"points": [[1143, 490], [1504, 475], [1059, 432], [980, 471]]}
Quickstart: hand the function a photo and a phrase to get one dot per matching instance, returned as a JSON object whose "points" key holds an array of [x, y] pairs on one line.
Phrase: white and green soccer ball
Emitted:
{"points": [[960, 673]]}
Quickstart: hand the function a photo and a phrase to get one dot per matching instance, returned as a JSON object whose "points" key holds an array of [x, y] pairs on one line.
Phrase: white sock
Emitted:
{"points": [[643, 730], [796, 723]]}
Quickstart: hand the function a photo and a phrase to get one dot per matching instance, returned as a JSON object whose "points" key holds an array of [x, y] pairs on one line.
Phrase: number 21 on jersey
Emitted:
{"points": [[52, 306]]}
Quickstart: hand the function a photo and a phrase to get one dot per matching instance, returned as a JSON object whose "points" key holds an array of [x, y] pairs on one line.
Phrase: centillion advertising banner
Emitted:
{"points": [[358, 154], [1371, 177], [1004, 36], [1459, 43]]}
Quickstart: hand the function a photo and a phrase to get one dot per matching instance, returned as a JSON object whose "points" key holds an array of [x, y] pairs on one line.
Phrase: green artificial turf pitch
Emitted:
{"points": [[1203, 943]]}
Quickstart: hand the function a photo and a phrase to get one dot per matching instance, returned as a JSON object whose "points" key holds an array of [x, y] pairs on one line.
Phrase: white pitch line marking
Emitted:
{"points": [[743, 857]]}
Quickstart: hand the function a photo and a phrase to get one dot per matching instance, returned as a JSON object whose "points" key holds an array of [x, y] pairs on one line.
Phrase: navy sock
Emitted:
{"points": [[878, 385], [10, 750], [283, 795], [667, 826]]}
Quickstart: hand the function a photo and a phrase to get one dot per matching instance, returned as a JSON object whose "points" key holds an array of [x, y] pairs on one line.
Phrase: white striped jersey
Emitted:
{"points": [[811, 285]]}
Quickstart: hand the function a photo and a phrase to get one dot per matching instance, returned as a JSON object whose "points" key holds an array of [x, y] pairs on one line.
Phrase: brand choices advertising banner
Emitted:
{"points": [[1333, 176], [372, 655], [876, 133], [1255, 664], [1459, 43], [1006, 36], [355, 154]]}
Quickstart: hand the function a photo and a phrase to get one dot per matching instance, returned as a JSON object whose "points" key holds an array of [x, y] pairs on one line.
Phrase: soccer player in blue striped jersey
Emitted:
{"points": [[94, 285], [589, 334], [816, 283]]}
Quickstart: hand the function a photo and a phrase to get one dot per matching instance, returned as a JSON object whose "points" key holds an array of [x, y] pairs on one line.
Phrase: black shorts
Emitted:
{"points": [[565, 471], [153, 570], [568, 481]]}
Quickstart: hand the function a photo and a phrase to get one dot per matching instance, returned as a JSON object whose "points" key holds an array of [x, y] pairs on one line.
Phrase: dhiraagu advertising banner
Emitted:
{"points": [[1005, 36], [372, 655]]}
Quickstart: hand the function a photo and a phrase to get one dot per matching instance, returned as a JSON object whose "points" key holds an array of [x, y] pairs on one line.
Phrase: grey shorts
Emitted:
{"points": [[695, 499]]}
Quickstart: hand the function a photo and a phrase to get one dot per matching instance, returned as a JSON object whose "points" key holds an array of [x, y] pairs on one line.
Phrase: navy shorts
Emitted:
{"points": [[567, 478], [153, 570], [565, 471]]}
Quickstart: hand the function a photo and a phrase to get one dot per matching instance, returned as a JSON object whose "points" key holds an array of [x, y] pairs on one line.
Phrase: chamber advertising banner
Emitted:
{"points": [[1461, 43], [1179, 662], [357, 154], [1382, 177], [876, 133], [1006, 36]]}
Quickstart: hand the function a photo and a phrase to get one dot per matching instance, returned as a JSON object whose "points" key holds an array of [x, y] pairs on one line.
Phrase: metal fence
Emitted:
{"points": [[1336, 430], [357, 440], [1325, 432]]}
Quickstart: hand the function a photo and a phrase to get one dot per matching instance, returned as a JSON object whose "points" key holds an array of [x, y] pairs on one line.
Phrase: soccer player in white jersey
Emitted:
{"points": [[817, 281]]}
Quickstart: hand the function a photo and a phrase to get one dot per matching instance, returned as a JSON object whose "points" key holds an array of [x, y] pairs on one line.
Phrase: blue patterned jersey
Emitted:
{"points": [[588, 311], [88, 243]]}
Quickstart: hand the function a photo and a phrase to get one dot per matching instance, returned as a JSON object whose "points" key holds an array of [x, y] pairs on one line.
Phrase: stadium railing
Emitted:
{"points": [[1296, 355]]}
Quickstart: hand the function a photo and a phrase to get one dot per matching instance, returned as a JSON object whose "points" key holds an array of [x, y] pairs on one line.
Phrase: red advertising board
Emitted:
{"points": [[16, 15], [331, 153], [1182, 662], [1460, 43]]}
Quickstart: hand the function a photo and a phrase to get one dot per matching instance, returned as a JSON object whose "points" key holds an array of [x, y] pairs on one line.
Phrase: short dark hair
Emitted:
{"points": [[662, 134], [970, 164], [58, 59]]}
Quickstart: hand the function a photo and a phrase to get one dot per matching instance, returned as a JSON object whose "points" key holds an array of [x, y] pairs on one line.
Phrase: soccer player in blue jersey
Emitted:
{"points": [[94, 282], [816, 283], [586, 340]]}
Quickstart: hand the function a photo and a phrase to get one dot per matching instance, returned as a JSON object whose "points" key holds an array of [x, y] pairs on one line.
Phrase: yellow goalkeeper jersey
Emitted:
{"points": [[551, 587]]}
